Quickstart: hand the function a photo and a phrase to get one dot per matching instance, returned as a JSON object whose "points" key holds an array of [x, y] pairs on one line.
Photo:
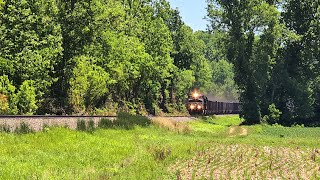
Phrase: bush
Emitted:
{"points": [[81, 125], [4, 104], [90, 126], [23, 129], [105, 123], [274, 115], [26, 98], [88, 84], [5, 128], [7, 96], [125, 121], [128, 121]]}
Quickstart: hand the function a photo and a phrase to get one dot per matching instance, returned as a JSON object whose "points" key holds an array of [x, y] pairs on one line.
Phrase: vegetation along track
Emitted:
{"points": [[37, 122]]}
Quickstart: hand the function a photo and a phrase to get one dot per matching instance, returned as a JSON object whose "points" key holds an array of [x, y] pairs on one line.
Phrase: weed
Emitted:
{"points": [[160, 153], [81, 125], [90, 126], [105, 123], [45, 128], [5, 128], [125, 121], [23, 128], [128, 121]]}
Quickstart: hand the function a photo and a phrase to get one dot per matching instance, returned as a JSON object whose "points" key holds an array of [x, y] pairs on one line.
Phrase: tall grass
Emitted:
{"points": [[125, 121], [23, 128], [166, 123], [159, 151]]}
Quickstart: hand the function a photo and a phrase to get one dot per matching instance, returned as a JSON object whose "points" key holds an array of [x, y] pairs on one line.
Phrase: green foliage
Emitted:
{"points": [[105, 123], [274, 115], [148, 153], [5, 128], [83, 56], [124, 121], [7, 96], [223, 87], [272, 54], [24, 128], [88, 84], [30, 42], [85, 125], [26, 98], [183, 83], [81, 125]]}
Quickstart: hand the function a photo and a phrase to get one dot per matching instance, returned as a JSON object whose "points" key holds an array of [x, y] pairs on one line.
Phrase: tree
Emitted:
{"points": [[26, 98], [223, 87], [88, 84], [7, 96], [300, 55], [30, 43], [242, 20]]}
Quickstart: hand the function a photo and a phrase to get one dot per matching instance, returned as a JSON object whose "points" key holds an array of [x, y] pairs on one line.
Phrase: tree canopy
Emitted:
{"points": [[78, 57], [274, 48]]}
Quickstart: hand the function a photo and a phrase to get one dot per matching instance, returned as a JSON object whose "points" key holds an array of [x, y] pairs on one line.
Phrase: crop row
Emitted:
{"points": [[250, 162]]}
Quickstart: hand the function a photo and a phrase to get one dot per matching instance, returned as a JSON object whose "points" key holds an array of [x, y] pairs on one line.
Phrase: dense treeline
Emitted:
{"points": [[99, 56], [275, 48]]}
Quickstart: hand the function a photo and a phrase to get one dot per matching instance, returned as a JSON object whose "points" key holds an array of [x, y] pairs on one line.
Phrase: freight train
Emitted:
{"points": [[199, 104]]}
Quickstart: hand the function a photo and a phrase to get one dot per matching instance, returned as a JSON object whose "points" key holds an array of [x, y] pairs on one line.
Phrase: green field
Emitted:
{"points": [[213, 147]]}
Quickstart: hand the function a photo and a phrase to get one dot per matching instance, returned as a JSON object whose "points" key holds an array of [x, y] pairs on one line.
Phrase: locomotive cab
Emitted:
{"points": [[196, 103]]}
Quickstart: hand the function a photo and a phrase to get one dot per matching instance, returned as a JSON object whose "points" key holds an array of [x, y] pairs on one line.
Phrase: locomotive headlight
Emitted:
{"points": [[192, 106], [195, 95], [199, 107]]}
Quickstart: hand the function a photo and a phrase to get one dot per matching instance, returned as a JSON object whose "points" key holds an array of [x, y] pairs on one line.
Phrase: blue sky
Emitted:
{"points": [[192, 12]]}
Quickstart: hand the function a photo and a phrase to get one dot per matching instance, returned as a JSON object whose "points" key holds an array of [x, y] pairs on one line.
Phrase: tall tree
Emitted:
{"points": [[299, 59], [243, 20], [30, 43]]}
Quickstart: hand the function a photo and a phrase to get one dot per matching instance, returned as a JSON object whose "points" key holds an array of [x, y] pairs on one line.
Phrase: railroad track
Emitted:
{"points": [[71, 116], [37, 122]]}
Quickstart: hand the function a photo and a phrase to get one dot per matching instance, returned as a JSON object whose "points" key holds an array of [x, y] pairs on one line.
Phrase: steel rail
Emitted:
{"points": [[70, 116], [53, 116]]}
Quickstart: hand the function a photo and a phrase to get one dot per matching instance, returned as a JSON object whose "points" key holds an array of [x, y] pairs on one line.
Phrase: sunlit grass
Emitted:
{"points": [[161, 150]]}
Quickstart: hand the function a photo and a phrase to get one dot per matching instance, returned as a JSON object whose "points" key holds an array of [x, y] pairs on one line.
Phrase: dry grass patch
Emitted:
{"points": [[171, 125], [237, 131], [250, 162]]}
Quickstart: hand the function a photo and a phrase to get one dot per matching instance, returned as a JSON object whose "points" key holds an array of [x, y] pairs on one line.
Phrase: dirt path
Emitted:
{"points": [[237, 131]]}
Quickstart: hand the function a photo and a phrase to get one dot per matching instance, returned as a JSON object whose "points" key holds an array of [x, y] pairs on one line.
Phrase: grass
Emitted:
{"points": [[214, 147]]}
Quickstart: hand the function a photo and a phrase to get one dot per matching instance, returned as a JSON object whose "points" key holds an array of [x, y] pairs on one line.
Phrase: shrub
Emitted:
{"points": [[23, 129], [4, 104], [45, 128], [90, 126], [160, 153], [5, 128], [274, 115], [125, 121], [26, 98], [7, 96], [128, 121], [88, 84], [81, 125], [105, 123]]}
